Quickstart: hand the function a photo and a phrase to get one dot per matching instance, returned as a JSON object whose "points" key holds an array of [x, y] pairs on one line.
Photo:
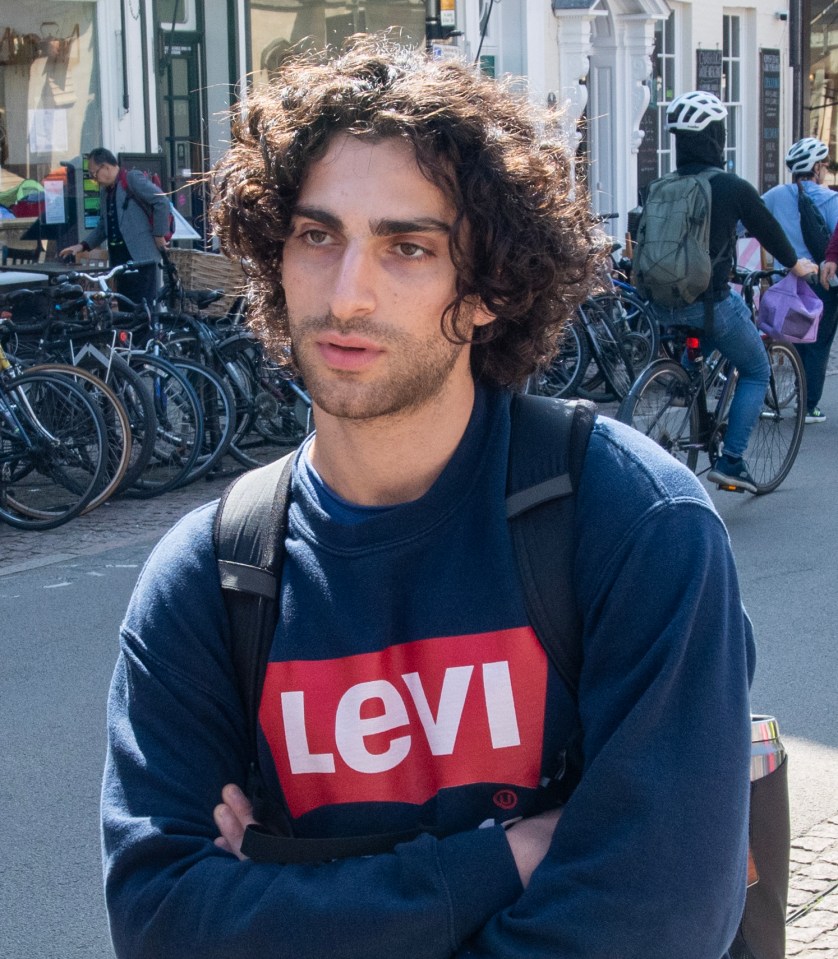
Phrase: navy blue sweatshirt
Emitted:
{"points": [[406, 688]]}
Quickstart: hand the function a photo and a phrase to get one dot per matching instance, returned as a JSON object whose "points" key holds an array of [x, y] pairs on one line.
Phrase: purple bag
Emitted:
{"points": [[790, 311]]}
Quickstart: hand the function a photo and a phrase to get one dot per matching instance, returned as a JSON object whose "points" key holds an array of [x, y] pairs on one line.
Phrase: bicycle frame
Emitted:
{"points": [[6, 390]]}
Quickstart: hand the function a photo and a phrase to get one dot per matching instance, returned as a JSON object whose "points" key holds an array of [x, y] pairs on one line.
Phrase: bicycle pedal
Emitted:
{"points": [[729, 488]]}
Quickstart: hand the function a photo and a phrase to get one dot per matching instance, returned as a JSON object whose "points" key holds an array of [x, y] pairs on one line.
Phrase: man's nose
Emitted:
{"points": [[352, 293]]}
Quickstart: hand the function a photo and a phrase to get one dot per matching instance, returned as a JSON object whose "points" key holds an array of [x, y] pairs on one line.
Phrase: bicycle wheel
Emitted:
{"points": [[178, 428], [53, 450], [775, 440], [219, 414], [120, 441], [660, 405], [136, 398], [608, 351], [267, 419], [631, 317], [562, 376]]}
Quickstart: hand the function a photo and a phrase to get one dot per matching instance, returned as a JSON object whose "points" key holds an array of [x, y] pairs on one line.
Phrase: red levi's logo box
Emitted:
{"points": [[401, 724]]}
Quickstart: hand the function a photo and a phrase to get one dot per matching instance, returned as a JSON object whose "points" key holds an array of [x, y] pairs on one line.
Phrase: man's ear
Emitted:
{"points": [[481, 316]]}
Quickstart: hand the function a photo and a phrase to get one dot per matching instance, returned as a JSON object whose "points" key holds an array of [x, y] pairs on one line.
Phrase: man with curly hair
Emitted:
{"points": [[414, 244]]}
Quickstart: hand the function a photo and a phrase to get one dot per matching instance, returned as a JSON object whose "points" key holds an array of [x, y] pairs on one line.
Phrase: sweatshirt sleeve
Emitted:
{"points": [[761, 223], [648, 860], [176, 735]]}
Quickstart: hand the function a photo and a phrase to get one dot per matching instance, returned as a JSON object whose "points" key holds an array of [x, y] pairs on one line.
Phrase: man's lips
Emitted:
{"points": [[348, 352]]}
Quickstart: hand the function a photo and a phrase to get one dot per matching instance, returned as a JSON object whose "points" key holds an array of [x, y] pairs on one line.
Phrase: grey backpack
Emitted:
{"points": [[672, 264]]}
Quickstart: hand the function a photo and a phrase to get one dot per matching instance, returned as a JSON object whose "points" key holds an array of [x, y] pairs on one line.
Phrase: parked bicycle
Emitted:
{"points": [[53, 448], [685, 410], [594, 359], [273, 410]]}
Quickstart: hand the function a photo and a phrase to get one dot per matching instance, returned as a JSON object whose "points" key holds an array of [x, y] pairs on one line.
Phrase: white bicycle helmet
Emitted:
{"points": [[694, 111], [804, 154]]}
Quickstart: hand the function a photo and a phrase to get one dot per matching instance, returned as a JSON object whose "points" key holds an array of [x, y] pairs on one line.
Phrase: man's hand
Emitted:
{"points": [[804, 267], [529, 841], [828, 271], [232, 816], [160, 242], [70, 250]]}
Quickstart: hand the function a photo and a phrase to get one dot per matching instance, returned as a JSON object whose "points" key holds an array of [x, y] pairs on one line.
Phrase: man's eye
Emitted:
{"points": [[315, 237], [412, 251]]}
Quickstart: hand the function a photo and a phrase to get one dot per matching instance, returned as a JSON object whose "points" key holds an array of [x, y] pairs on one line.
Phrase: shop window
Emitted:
{"points": [[325, 24], [49, 109], [822, 120], [732, 88], [655, 156]]}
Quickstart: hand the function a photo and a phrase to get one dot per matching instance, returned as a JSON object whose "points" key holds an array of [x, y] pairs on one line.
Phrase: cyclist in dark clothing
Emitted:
{"points": [[697, 121]]}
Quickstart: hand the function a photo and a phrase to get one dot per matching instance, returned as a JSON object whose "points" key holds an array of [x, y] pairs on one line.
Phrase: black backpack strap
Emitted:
{"points": [[546, 456], [249, 535], [708, 296], [249, 538]]}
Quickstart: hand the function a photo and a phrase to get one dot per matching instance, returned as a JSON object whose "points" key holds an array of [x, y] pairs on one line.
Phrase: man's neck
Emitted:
{"points": [[392, 459]]}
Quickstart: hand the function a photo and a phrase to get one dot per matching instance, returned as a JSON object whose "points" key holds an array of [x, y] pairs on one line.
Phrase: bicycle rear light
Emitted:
{"points": [[693, 345]]}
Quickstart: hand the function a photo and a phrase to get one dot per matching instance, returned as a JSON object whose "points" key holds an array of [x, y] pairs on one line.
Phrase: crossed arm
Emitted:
{"points": [[528, 839]]}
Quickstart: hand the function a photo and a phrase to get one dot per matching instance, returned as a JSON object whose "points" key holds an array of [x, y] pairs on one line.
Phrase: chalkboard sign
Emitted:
{"points": [[769, 119], [708, 71]]}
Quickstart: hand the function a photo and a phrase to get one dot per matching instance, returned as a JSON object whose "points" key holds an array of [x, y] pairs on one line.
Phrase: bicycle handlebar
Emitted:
{"points": [[130, 267], [119, 297], [749, 278]]}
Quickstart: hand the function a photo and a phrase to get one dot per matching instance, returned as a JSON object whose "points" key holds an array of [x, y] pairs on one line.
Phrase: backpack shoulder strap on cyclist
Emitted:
{"points": [[546, 456]]}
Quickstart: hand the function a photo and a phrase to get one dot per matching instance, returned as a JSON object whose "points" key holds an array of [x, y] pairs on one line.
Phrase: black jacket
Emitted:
{"points": [[733, 199]]}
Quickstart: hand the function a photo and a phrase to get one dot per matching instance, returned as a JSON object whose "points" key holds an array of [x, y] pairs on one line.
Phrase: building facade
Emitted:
{"points": [[155, 80]]}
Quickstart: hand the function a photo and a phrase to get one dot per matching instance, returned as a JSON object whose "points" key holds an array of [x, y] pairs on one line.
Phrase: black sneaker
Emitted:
{"points": [[732, 474]]}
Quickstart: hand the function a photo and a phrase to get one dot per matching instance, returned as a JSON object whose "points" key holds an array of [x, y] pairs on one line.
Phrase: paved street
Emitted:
{"points": [[126, 525]]}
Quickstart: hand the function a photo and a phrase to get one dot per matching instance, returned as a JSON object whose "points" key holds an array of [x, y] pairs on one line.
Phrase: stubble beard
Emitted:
{"points": [[418, 369]]}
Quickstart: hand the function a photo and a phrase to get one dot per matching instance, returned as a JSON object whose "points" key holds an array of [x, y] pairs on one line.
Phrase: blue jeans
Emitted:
{"points": [[736, 338]]}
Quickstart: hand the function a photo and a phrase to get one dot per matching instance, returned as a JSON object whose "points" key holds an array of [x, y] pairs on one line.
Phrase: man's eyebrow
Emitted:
{"points": [[422, 224], [385, 227], [320, 216]]}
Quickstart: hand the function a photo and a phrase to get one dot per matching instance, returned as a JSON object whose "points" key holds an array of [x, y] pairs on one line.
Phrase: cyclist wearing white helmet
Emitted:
{"points": [[697, 121], [805, 155], [808, 162], [694, 111]]}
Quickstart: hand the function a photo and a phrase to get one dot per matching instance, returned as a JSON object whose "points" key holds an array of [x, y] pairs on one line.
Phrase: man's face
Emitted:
{"points": [[367, 275], [104, 174]]}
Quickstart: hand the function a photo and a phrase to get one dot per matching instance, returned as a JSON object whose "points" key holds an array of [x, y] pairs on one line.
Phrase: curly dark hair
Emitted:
{"points": [[523, 239]]}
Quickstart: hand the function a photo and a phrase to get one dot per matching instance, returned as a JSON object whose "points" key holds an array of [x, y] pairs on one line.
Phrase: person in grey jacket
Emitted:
{"points": [[134, 220]]}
